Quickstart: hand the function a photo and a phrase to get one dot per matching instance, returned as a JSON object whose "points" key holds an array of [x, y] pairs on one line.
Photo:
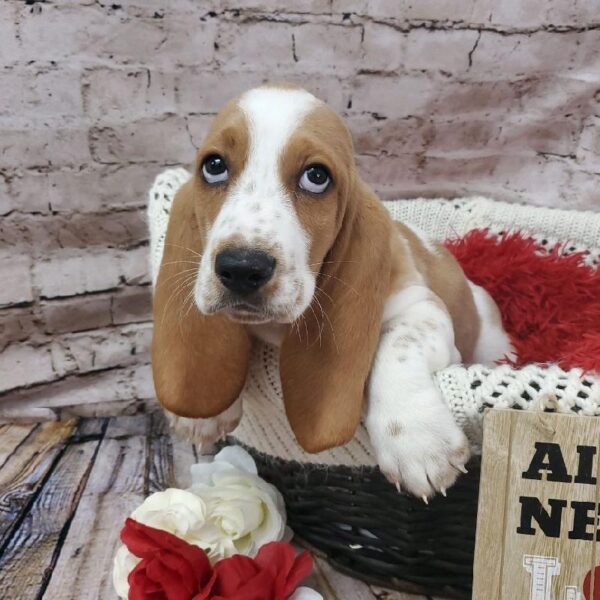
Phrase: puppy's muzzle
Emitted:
{"points": [[243, 270]]}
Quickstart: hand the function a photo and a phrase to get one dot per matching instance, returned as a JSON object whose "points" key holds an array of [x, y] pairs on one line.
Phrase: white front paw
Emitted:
{"points": [[421, 450], [205, 432]]}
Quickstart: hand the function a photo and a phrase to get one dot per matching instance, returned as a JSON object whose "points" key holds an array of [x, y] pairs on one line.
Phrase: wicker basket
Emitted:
{"points": [[337, 501], [358, 521]]}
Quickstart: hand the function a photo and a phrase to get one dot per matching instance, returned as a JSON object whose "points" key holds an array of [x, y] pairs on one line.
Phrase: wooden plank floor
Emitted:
{"points": [[65, 490]]}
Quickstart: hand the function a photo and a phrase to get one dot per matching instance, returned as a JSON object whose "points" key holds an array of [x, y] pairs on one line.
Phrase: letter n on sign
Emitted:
{"points": [[538, 527]]}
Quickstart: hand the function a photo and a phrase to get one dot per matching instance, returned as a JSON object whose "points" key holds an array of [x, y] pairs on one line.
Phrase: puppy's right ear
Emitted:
{"points": [[199, 362]]}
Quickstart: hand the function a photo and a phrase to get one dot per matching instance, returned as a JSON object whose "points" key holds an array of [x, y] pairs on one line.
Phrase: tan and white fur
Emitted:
{"points": [[364, 310]]}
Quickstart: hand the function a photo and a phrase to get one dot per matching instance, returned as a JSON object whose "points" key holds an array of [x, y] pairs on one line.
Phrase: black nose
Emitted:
{"points": [[244, 271]]}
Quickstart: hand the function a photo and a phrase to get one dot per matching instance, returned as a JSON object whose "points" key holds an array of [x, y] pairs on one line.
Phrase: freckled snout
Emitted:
{"points": [[243, 270]]}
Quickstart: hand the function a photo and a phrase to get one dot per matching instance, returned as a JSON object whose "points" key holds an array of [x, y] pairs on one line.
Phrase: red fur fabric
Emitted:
{"points": [[550, 304]]}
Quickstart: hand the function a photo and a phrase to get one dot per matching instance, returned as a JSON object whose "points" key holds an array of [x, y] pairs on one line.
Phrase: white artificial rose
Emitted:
{"points": [[243, 511], [123, 564]]}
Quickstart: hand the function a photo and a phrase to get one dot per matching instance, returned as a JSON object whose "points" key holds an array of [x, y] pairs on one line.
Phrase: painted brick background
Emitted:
{"points": [[443, 98]]}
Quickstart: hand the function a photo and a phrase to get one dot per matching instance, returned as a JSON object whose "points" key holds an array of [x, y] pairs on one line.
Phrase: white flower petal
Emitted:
{"points": [[168, 498], [238, 457], [123, 564], [203, 473]]}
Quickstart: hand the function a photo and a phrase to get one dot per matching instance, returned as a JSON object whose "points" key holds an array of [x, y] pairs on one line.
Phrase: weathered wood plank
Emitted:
{"points": [[24, 471], [11, 437], [171, 457], [129, 407], [495, 467], [89, 428], [114, 489], [29, 555]]}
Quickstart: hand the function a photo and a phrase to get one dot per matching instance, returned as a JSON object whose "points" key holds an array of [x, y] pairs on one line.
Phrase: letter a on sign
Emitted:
{"points": [[548, 457], [538, 515]]}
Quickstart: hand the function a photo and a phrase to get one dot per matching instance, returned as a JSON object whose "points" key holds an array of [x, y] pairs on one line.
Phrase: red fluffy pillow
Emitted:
{"points": [[550, 304]]}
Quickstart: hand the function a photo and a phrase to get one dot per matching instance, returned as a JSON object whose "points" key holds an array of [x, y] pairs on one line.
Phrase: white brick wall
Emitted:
{"points": [[442, 96]]}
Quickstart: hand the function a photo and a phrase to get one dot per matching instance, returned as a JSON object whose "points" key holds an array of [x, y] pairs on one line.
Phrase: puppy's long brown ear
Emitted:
{"points": [[199, 363], [324, 376]]}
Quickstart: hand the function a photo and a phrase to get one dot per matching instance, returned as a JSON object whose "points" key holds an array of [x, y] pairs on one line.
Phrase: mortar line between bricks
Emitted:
{"points": [[403, 26]]}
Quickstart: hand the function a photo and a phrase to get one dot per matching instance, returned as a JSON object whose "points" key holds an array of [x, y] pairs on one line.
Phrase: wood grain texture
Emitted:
{"points": [[170, 457], [494, 468], [509, 545], [29, 556], [12, 437], [114, 489], [24, 471]]}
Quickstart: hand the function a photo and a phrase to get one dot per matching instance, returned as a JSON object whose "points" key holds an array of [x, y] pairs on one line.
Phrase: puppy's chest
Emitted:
{"points": [[271, 333]]}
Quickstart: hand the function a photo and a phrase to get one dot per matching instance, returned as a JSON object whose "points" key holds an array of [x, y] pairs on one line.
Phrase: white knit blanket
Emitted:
{"points": [[468, 390]]}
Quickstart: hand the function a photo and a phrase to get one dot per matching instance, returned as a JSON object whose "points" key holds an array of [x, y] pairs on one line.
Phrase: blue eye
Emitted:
{"points": [[315, 179], [214, 169]]}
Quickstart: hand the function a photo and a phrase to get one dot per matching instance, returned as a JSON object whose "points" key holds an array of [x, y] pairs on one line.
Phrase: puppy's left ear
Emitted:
{"points": [[325, 365], [199, 362]]}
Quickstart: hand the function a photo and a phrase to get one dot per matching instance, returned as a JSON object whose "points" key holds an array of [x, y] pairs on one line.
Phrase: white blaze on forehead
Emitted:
{"points": [[273, 115]]}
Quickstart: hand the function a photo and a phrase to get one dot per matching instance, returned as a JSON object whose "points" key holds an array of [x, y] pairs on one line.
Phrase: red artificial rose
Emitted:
{"points": [[273, 575], [170, 569]]}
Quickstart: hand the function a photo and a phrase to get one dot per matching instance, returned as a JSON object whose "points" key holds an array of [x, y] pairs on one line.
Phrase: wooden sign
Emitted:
{"points": [[538, 528]]}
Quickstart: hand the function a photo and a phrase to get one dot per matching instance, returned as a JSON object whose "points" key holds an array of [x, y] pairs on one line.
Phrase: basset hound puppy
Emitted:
{"points": [[277, 237]]}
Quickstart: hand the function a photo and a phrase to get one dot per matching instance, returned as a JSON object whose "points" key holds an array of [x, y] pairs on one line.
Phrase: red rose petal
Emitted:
{"points": [[273, 575], [303, 565], [232, 572], [290, 569], [141, 587], [259, 587], [176, 583]]}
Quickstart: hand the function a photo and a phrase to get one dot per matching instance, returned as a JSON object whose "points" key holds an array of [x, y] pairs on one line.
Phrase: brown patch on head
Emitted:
{"points": [[321, 139], [228, 137]]}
